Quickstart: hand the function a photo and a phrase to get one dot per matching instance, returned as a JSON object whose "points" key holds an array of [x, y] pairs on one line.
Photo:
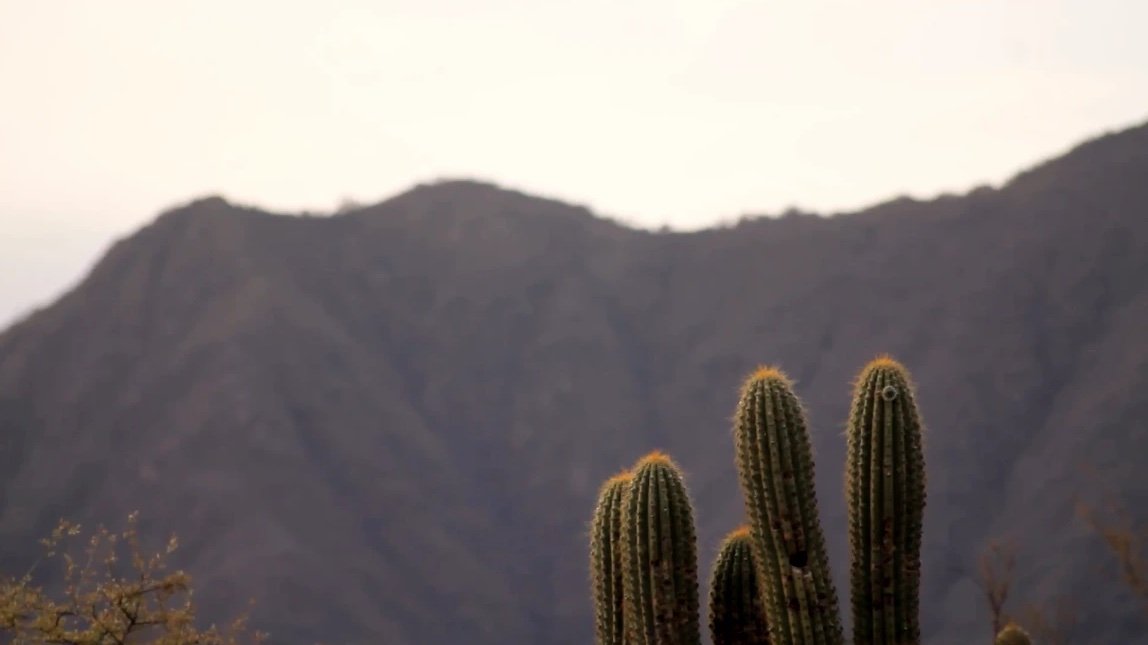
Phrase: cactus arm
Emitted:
{"points": [[737, 615], [775, 469], [659, 555], [605, 561], [885, 490]]}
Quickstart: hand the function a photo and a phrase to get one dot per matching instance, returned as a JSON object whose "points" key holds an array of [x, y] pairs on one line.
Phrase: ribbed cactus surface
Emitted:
{"points": [[659, 555], [775, 468], [606, 561], [737, 616], [885, 496], [1012, 634]]}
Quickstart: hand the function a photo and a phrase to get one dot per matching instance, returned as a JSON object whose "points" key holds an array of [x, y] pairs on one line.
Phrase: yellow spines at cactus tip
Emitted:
{"points": [[1012, 634]]}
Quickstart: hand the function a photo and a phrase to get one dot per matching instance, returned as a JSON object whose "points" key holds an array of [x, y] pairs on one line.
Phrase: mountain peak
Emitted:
{"points": [[484, 193], [199, 205], [473, 202]]}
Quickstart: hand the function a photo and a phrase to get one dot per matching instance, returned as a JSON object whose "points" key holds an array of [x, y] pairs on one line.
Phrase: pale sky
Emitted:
{"points": [[653, 112]]}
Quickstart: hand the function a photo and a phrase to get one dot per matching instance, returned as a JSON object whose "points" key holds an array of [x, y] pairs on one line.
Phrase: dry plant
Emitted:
{"points": [[995, 571], [1127, 542], [109, 597], [1126, 539], [1051, 625]]}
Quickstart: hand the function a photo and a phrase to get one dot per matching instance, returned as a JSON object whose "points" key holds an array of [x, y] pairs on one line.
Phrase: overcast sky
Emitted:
{"points": [[666, 111]]}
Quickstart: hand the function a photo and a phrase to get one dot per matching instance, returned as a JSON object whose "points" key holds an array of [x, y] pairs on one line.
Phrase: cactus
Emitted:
{"points": [[1012, 634], [772, 581], [659, 557], [775, 467], [737, 616], [885, 494], [606, 560]]}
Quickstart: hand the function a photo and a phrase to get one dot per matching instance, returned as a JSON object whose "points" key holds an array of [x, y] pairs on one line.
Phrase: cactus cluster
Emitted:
{"points": [[772, 581]]}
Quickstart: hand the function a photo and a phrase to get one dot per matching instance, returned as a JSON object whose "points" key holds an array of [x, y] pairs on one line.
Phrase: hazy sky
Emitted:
{"points": [[654, 112]]}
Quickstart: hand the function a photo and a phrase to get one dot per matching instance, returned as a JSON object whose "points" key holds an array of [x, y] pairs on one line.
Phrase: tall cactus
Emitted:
{"points": [[606, 561], [1012, 634], [737, 616], [790, 591], [775, 467], [659, 556], [885, 495]]}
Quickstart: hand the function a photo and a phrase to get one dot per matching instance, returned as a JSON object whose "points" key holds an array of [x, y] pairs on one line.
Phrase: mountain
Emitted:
{"points": [[389, 425]]}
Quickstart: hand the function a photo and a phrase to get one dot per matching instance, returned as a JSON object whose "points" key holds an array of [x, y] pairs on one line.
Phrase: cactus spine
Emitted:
{"points": [[606, 561], [885, 494], [1012, 634], [775, 467], [737, 616], [659, 556]]}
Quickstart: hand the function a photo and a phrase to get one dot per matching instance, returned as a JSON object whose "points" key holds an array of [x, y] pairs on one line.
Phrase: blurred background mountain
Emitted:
{"points": [[389, 424]]}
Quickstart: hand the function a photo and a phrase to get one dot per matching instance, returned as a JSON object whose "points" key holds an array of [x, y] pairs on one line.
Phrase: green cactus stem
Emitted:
{"points": [[1012, 634], [659, 556], [737, 616], [606, 561], [775, 468], [885, 495]]}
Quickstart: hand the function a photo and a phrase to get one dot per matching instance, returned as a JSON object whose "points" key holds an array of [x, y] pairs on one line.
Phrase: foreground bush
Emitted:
{"points": [[110, 593]]}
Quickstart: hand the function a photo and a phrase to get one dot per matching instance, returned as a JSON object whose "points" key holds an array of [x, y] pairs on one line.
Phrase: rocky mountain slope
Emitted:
{"points": [[388, 425]]}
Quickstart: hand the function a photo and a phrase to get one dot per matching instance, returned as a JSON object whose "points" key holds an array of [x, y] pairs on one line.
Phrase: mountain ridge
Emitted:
{"points": [[393, 421]]}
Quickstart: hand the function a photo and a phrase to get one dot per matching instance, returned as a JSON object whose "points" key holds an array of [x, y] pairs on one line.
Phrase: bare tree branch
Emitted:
{"points": [[995, 572]]}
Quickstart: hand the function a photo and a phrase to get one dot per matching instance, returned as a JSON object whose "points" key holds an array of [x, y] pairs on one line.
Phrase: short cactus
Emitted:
{"points": [[885, 495], [737, 616], [775, 467], [1012, 634], [659, 557], [606, 561]]}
